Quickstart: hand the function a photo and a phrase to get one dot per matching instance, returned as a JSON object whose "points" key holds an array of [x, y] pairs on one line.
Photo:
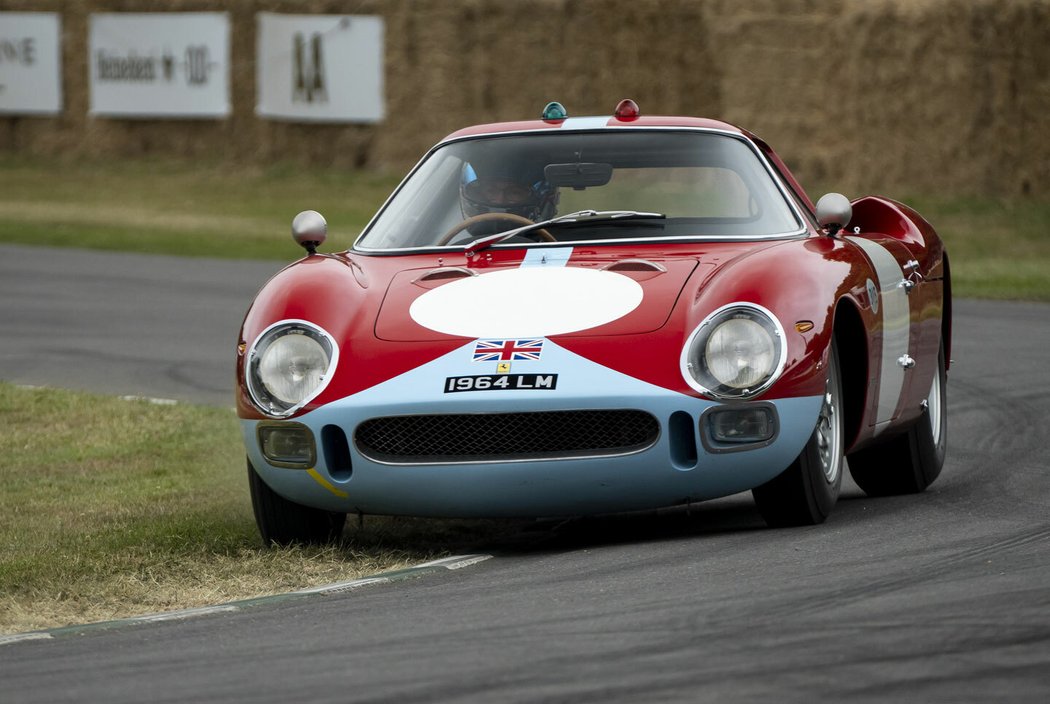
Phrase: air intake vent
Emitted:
{"points": [[502, 437]]}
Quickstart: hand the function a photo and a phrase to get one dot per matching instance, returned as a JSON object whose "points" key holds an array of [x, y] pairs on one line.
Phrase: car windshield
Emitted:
{"points": [[678, 185]]}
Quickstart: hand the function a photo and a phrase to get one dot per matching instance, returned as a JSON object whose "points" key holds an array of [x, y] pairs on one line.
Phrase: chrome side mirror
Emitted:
{"points": [[834, 212], [309, 230]]}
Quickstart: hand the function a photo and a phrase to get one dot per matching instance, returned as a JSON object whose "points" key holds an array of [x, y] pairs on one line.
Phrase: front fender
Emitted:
{"points": [[321, 289], [801, 282]]}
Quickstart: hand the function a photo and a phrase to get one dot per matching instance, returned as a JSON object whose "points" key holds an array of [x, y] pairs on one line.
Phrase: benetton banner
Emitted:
{"points": [[323, 68], [30, 63], [173, 64]]}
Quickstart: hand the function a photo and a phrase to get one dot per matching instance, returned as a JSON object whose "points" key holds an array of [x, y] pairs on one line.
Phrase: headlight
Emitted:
{"points": [[289, 364], [737, 352]]}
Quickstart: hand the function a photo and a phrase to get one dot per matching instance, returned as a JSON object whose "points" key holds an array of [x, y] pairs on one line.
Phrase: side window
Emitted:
{"points": [[802, 206], [790, 185]]}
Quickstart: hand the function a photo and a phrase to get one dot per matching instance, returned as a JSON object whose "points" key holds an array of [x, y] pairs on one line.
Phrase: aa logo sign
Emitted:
{"points": [[296, 58]]}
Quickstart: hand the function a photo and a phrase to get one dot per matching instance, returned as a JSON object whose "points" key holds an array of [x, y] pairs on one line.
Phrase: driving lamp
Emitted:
{"points": [[289, 364], [287, 444], [737, 352]]}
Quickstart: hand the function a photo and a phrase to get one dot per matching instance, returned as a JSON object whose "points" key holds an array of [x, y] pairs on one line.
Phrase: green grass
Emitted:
{"points": [[998, 249], [170, 207], [113, 508]]}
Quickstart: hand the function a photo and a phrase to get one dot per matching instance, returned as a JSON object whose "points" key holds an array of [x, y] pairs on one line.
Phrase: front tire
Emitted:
{"points": [[805, 492], [910, 462], [283, 522]]}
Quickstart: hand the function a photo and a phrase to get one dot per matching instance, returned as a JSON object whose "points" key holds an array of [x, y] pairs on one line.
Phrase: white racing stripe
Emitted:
{"points": [[896, 327], [547, 256], [585, 123]]}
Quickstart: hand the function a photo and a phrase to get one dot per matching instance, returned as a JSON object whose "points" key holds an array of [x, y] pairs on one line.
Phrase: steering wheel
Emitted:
{"points": [[491, 217]]}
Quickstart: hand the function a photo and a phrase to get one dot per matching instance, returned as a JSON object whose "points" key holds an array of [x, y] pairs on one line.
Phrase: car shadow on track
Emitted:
{"points": [[508, 537], [726, 517], [732, 515]]}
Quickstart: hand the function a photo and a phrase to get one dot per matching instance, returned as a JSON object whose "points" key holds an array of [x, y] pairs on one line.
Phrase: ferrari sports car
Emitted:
{"points": [[586, 315]]}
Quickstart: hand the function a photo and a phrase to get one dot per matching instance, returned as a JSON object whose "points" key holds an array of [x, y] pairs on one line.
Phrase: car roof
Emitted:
{"points": [[596, 123]]}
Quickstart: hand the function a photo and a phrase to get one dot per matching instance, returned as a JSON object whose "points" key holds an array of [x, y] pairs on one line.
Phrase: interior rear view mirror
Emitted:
{"points": [[578, 176]]}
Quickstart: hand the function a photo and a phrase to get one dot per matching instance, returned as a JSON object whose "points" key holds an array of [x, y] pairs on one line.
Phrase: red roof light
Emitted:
{"points": [[627, 109]]}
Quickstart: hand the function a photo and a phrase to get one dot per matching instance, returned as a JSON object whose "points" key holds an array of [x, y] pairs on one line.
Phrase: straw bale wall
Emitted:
{"points": [[891, 96]]}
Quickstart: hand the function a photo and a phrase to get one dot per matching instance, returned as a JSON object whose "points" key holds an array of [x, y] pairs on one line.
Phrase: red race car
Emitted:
{"points": [[574, 316]]}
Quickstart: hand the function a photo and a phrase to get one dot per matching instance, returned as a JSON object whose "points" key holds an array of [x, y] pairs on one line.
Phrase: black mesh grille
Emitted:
{"points": [[504, 436]]}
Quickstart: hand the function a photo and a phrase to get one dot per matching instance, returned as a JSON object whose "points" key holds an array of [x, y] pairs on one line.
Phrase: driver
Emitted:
{"points": [[504, 194]]}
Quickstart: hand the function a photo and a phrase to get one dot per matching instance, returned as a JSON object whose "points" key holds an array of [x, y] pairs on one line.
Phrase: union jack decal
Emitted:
{"points": [[508, 350]]}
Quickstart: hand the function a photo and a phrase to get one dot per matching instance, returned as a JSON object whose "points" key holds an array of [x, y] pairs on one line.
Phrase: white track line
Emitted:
{"points": [[449, 563]]}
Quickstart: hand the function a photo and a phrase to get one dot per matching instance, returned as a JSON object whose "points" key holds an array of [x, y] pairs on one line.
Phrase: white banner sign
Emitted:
{"points": [[174, 64], [320, 68], [30, 63]]}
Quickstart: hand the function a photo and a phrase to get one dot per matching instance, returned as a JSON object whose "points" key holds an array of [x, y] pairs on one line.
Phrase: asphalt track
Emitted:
{"points": [[943, 596]]}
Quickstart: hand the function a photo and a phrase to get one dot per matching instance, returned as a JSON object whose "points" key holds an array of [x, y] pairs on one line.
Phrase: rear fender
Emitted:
{"points": [[874, 214]]}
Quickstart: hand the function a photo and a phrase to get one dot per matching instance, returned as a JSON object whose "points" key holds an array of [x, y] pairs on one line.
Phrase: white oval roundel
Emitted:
{"points": [[531, 301]]}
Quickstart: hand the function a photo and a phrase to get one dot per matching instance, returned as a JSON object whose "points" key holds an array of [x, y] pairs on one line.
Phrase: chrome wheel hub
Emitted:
{"points": [[829, 433], [933, 408]]}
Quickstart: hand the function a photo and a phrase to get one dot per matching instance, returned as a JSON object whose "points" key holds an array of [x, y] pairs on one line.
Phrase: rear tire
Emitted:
{"points": [[283, 522], [910, 462], [805, 492]]}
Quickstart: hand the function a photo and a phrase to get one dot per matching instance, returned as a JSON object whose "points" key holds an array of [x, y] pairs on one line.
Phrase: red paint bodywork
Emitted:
{"points": [[362, 299]]}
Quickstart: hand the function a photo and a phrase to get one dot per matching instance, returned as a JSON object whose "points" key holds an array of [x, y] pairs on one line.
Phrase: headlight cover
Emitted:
{"points": [[736, 353], [289, 364]]}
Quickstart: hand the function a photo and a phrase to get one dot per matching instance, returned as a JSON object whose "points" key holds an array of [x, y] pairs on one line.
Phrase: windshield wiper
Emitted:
{"points": [[582, 216]]}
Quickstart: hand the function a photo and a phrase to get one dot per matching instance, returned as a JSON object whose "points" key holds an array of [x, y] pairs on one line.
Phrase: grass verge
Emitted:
{"points": [[172, 207], [112, 508], [998, 249]]}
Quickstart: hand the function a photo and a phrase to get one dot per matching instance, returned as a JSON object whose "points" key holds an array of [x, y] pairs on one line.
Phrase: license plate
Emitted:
{"points": [[501, 382]]}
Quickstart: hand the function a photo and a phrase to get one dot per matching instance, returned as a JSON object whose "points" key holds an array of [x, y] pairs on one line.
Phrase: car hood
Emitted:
{"points": [[541, 292]]}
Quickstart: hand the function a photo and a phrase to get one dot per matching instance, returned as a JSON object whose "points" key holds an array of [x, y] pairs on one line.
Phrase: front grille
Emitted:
{"points": [[496, 437]]}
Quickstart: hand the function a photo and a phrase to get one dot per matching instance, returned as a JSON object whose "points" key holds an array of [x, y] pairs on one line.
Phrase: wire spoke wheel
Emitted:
{"points": [[829, 432], [805, 492]]}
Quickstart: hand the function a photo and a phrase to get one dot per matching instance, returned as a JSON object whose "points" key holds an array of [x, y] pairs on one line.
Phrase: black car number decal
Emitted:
{"points": [[501, 382]]}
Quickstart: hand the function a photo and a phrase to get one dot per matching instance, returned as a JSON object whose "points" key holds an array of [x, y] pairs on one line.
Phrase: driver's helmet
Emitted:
{"points": [[503, 194]]}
